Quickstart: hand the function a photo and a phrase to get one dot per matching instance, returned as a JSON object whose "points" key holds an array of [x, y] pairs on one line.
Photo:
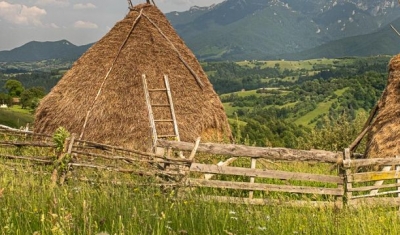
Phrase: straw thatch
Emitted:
{"points": [[101, 98], [384, 136]]}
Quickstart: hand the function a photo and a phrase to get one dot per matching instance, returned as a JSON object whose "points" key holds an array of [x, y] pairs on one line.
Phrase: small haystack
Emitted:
{"points": [[384, 133], [101, 98]]}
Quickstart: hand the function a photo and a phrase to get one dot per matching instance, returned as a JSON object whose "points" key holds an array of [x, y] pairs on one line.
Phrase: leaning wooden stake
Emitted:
{"points": [[58, 164], [196, 146]]}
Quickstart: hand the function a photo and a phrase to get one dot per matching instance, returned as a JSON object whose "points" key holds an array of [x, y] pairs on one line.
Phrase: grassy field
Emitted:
{"points": [[15, 116], [29, 205]]}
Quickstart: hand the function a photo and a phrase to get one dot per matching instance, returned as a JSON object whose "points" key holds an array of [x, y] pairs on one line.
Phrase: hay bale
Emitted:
{"points": [[114, 106], [384, 137]]}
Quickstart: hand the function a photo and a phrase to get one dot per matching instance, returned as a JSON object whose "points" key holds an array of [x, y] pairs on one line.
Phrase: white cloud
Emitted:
{"points": [[54, 26], [81, 6], [85, 25], [60, 3], [21, 14]]}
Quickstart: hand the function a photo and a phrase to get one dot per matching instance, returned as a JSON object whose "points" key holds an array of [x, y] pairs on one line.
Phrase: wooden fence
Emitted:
{"points": [[244, 174]]}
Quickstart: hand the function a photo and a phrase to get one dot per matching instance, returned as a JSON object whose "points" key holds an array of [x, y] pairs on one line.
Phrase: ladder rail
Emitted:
{"points": [[151, 114], [166, 81]]}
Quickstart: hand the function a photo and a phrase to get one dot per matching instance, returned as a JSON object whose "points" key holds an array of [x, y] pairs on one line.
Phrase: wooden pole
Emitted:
{"points": [[348, 185], [253, 166], [274, 154]]}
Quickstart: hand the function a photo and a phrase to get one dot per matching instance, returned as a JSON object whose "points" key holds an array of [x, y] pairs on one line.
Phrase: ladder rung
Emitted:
{"points": [[157, 89], [165, 136], [160, 105], [166, 120]]}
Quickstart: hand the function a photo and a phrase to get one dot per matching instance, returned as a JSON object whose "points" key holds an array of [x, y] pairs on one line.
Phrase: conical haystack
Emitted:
{"points": [[102, 98], [384, 136]]}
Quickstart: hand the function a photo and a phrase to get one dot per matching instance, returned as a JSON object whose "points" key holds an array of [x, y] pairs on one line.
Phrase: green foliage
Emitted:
{"points": [[59, 137], [14, 88], [15, 118], [336, 134], [30, 97]]}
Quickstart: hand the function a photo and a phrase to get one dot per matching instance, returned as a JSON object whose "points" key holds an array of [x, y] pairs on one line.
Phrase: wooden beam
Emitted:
{"points": [[271, 174], [265, 187], [369, 188], [272, 202], [276, 154], [370, 162], [373, 176]]}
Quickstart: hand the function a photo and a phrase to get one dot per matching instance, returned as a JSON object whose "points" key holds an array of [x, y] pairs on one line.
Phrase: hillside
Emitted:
{"points": [[38, 51], [257, 29], [383, 42], [238, 30]]}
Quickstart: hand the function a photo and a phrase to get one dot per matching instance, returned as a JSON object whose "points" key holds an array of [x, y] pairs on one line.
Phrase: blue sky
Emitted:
{"points": [[79, 21]]}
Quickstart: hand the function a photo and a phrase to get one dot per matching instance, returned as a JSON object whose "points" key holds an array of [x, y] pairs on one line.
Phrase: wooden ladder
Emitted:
{"points": [[153, 121]]}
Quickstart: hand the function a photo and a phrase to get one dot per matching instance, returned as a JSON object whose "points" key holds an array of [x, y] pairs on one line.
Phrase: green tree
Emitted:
{"points": [[30, 97], [14, 88]]}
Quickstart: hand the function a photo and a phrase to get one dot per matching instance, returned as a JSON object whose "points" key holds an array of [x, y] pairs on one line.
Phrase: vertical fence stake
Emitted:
{"points": [[347, 156], [253, 166]]}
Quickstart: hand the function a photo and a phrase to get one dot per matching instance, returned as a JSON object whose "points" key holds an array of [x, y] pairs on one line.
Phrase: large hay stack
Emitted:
{"points": [[101, 98], [384, 135]]}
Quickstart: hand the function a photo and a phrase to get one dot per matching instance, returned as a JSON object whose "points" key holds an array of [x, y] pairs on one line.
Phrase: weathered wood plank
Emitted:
{"points": [[257, 152], [368, 188], [27, 144], [376, 194], [265, 187], [44, 160], [271, 174], [272, 202], [373, 176], [375, 202], [371, 162]]}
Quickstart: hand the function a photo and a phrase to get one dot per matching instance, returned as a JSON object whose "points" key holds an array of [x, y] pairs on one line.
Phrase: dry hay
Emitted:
{"points": [[119, 115], [384, 136]]}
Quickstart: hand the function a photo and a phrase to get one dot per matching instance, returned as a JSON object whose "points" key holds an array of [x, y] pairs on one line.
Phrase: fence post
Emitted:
{"points": [[252, 178], [58, 164], [348, 186]]}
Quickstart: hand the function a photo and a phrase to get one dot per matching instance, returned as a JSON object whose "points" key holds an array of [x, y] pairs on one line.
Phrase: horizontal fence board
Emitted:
{"points": [[27, 144], [273, 202], [265, 187], [371, 162], [137, 159], [372, 187], [275, 154], [43, 160], [374, 176], [378, 201], [376, 194], [272, 174]]}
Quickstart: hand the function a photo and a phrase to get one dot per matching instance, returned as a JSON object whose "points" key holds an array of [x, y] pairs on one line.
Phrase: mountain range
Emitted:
{"points": [[266, 29]]}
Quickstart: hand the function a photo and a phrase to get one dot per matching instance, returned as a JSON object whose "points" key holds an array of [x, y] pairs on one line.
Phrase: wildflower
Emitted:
{"points": [[234, 218], [102, 233], [232, 212], [168, 227], [262, 228]]}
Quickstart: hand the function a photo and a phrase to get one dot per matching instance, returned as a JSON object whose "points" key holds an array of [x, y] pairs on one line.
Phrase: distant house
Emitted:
{"points": [[16, 100], [3, 106]]}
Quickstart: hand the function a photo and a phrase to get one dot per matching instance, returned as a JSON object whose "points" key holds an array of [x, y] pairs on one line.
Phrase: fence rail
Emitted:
{"points": [[347, 186]]}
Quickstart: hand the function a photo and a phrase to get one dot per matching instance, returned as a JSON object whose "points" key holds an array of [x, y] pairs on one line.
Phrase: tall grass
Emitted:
{"points": [[29, 205]]}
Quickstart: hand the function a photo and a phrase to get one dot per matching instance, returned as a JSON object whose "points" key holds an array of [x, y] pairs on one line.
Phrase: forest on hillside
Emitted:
{"points": [[319, 103]]}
